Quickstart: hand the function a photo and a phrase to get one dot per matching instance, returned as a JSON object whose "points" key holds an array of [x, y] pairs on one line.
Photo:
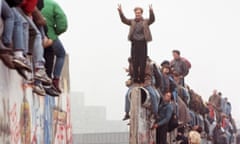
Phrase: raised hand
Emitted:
{"points": [[150, 7], [119, 7]]}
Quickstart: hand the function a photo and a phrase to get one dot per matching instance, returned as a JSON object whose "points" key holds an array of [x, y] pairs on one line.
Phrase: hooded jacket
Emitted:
{"points": [[56, 19], [28, 6]]}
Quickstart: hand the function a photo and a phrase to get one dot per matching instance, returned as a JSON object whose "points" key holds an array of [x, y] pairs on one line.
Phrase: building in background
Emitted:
{"points": [[90, 126], [101, 138], [92, 119]]}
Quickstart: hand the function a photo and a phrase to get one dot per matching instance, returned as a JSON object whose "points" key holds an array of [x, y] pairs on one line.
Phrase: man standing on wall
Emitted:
{"points": [[139, 35]]}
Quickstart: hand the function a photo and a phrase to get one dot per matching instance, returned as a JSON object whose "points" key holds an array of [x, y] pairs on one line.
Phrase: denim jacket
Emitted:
{"points": [[165, 112]]}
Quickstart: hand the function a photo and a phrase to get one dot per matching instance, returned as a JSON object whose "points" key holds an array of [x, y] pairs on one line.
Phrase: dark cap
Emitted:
{"points": [[165, 63]]}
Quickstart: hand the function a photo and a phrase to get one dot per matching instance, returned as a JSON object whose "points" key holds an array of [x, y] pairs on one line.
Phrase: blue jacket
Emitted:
{"points": [[165, 112]]}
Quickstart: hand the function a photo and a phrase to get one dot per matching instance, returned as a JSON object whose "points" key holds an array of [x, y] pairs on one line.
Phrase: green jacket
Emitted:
{"points": [[56, 19]]}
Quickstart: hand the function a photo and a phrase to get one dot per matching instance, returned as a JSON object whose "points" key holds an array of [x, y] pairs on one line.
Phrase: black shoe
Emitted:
{"points": [[126, 117], [51, 91]]}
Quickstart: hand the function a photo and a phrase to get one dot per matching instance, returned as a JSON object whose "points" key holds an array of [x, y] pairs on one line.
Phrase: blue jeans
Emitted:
{"points": [[20, 39], [60, 53], [175, 98], [192, 121], [154, 100], [49, 53], [127, 102], [8, 19], [35, 40]]}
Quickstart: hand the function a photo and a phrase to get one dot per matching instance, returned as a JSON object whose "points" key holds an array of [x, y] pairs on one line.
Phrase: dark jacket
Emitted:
{"points": [[180, 67], [169, 84], [40, 4], [165, 112], [183, 111], [219, 136], [150, 74], [14, 3], [216, 101], [132, 23]]}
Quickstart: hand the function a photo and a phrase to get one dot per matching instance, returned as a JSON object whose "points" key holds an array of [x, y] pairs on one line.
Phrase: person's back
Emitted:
{"points": [[219, 135], [216, 101], [56, 19]]}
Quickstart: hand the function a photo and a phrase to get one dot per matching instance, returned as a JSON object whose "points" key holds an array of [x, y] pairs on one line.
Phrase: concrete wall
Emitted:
{"points": [[26, 117]]}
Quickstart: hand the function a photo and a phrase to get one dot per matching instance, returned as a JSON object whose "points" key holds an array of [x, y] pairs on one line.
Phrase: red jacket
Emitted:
{"points": [[28, 6]]}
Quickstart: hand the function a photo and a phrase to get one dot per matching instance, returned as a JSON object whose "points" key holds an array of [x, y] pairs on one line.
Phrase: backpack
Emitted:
{"points": [[187, 62], [173, 122]]}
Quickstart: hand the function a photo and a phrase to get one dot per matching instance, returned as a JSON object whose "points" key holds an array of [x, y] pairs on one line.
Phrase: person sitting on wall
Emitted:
{"points": [[148, 84]]}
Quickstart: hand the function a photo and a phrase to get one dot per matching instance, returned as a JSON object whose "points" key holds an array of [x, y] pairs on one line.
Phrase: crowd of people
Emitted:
{"points": [[30, 44], [171, 98]]}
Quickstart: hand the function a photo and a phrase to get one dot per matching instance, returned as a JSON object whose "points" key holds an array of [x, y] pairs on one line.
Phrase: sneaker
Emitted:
{"points": [[22, 73], [55, 83], [7, 59], [41, 75], [21, 62], [51, 91], [126, 117], [38, 89]]}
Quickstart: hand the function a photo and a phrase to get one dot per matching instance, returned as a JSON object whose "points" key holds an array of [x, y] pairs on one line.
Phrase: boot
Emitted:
{"points": [[55, 83]]}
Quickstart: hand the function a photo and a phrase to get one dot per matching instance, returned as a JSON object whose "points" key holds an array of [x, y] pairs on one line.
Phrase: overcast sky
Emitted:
{"points": [[207, 32]]}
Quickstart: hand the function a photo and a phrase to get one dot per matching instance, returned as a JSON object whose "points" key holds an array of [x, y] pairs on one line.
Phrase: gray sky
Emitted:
{"points": [[207, 32]]}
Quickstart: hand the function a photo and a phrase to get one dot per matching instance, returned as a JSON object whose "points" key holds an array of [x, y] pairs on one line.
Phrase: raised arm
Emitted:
{"points": [[151, 15], [122, 17]]}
